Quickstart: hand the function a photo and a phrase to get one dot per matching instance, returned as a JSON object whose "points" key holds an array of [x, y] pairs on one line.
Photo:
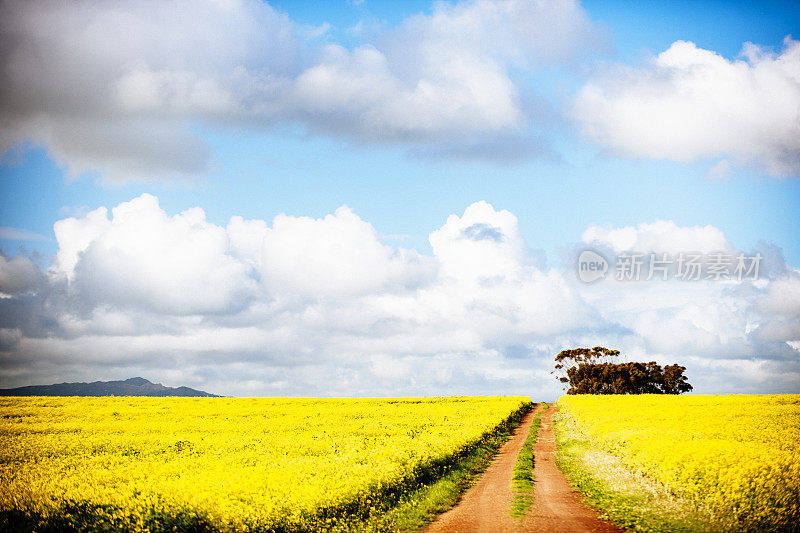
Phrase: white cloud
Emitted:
{"points": [[444, 75], [780, 306], [18, 234], [18, 275], [138, 286], [74, 235], [143, 257], [118, 88], [783, 296], [689, 103], [339, 254], [320, 306], [719, 170], [712, 325], [113, 87], [697, 318], [661, 236], [482, 244]]}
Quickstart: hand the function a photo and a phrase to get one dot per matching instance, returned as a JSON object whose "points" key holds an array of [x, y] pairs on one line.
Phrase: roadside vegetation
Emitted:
{"points": [[419, 508], [522, 481]]}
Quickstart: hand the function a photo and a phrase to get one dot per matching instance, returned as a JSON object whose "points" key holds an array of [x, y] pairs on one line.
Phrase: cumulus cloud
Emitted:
{"points": [[697, 319], [482, 243], [319, 306], [688, 103], [18, 275], [339, 254], [780, 303], [118, 88], [184, 265], [135, 287], [659, 236], [111, 87], [143, 257], [446, 74]]}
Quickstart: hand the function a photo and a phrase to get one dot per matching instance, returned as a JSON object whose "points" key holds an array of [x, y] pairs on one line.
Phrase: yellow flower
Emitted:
{"points": [[238, 463], [734, 454]]}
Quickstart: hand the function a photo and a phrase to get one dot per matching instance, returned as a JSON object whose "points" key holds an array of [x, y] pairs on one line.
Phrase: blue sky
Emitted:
{"points": [[557, 157], [260, 174]]}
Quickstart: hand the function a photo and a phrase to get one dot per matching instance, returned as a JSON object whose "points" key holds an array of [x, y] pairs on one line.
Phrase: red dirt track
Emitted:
{"points": [[556, 506], [485, 508], [487, 505]]}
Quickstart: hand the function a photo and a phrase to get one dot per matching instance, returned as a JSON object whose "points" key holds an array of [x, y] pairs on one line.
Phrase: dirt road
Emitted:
{"points": [[557, 507], [486, 506]]}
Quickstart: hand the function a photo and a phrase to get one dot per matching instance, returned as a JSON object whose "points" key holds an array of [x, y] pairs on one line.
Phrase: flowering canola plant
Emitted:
{"points": [[737, 456], [239, 463]]}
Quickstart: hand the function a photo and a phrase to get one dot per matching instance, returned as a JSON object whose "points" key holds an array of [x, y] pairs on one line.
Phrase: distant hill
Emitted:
{"points": [[129, 387]]}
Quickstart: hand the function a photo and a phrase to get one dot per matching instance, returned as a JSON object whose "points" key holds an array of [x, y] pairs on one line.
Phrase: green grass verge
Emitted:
{"points": [[409, 507], [522, 480], [422, 506], [628, 499]]}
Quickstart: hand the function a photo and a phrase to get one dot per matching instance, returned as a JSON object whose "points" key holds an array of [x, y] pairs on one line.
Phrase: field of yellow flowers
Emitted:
{"points": [[230, 464], [737, 456]]}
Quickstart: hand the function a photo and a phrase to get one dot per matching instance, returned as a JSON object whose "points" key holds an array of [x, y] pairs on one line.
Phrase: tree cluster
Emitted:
{"points": [[590, 371]]}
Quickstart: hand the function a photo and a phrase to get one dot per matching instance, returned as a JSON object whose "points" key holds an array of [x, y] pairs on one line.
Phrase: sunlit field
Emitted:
{"points": [[734, 457], [230, 464]]}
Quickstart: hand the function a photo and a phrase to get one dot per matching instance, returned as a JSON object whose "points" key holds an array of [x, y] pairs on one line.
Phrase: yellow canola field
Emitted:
{"points": [[738, 456], [240, 463]]}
